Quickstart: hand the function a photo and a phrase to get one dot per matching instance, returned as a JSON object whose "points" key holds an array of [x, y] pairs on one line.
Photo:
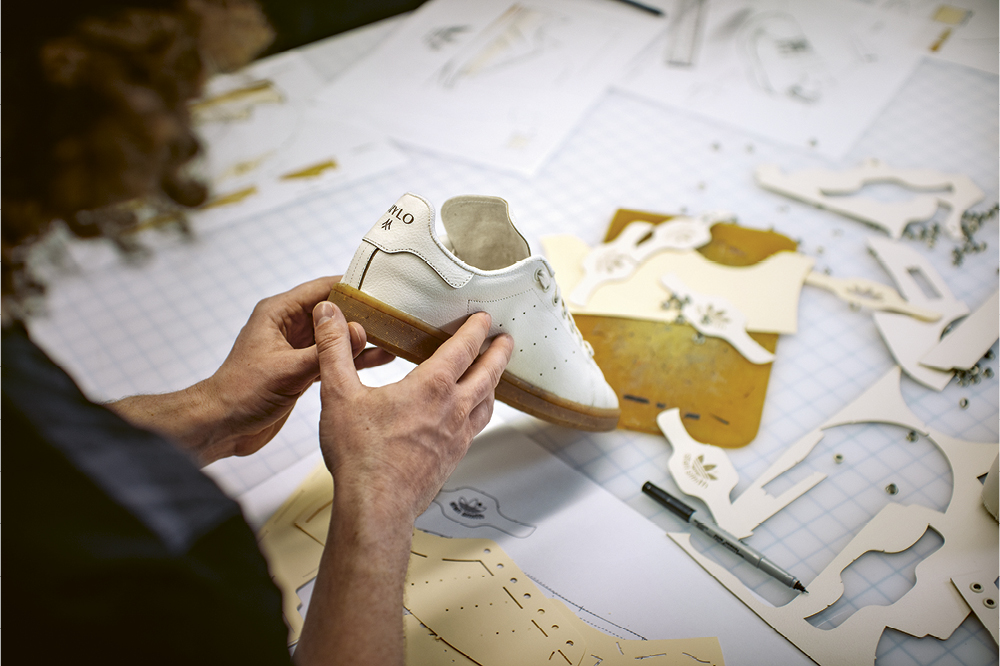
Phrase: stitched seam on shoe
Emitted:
{"points": [[353, 267], [427, 261], [367, 264]]}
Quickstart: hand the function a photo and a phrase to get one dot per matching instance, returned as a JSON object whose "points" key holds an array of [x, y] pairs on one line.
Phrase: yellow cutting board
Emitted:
{"points": [[655, 366]]}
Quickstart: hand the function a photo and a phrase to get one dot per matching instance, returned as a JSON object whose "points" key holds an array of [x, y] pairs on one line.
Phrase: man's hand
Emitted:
{"points": [[247, 401], [390, 450], [396, 445]]}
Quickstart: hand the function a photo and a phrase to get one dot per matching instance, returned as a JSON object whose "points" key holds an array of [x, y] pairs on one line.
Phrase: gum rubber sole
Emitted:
{"points": [[414, 340]]}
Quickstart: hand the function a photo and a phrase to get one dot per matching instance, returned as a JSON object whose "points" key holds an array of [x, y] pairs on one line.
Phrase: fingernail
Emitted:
{"points": [[323, 312]]}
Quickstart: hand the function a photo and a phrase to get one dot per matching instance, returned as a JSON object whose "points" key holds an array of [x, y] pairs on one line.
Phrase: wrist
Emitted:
{"points": [[187, 417]]}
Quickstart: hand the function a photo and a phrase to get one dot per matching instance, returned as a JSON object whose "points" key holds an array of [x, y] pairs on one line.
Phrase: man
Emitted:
{"points": [[122, 550]]}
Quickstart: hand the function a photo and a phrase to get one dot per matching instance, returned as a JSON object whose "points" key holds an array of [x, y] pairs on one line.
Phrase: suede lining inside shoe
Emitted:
{"points": [[480, 232]]}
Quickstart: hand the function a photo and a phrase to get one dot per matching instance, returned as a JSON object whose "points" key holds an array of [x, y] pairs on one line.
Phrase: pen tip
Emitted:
{"points": [[800, 587]]}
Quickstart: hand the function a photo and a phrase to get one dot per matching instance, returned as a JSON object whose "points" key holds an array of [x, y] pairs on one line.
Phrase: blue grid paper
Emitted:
{"points": [[169, 322]]}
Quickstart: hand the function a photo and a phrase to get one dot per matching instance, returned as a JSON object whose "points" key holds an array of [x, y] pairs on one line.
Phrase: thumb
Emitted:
{"points": [[333, 347]]}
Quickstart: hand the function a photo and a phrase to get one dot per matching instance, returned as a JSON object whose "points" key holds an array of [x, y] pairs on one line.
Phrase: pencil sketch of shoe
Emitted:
{"points": [[780, 58], [516, 36], [439, 38], [411, 290]]}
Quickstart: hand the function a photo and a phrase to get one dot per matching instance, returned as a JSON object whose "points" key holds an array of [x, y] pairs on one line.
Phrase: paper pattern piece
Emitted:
{"points": [[473, 596], [932, 607], [425, 648], [907, 338], [292, 553], [831, 190], [494, 82], [869, 294], [615, 261], [980, 591], [971, 338], [706, 472], [713, 316], [469, 601], [266, 145], [811, 74], [766, 293], [472, 507]]}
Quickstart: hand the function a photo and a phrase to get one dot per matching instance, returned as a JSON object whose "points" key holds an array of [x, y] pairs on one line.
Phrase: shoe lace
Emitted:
{"points": [[546, 279]]}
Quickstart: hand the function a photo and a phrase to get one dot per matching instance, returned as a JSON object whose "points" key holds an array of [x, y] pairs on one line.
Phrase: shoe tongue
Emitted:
{"points": [[481, 232]]}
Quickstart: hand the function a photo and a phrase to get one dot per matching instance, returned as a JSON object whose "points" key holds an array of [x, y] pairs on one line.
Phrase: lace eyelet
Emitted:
{"points": [[539, 274]]}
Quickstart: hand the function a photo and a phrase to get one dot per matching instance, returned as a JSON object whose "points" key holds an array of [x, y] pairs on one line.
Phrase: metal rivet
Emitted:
{"points": [[892, 489], [990, 603], [911, 436], [838, 458], [976, 587], [963, 403]]}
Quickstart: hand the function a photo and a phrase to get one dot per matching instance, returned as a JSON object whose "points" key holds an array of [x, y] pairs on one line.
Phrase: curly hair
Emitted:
{"points": [[97, 108]]}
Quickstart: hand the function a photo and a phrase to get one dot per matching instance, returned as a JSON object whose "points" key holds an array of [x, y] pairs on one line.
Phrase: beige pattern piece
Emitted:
{"points": [[766, 293], [869, 294], [828, 189], [467, 601], [617, 260]]}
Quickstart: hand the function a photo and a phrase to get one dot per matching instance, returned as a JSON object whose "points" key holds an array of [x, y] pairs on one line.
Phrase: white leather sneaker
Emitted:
{"points": [[412, 290]]}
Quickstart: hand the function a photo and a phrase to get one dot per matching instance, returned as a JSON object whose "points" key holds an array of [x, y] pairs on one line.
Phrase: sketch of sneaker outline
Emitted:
{"points": [[411, 290], [780, 57], [516, 36]]}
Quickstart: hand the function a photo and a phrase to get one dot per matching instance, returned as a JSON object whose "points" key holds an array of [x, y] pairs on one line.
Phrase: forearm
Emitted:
{"points": [[185, 417], [356, 612]]}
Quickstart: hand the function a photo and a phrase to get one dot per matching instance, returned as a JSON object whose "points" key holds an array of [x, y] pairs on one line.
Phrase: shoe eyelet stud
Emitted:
{"points": [[539, 274]]}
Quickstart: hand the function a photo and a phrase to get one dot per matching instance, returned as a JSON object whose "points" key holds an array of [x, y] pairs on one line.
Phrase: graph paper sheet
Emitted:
{"points": [[161, 325]]}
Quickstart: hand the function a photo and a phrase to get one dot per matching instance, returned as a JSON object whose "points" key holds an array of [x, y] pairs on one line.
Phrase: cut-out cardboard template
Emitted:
{"points": [[713, 316], [468, 602], [933, 606], [767, 292], [616, 260], [969, 340], [705, 471], [908, 339], [829, 189], [869, 294]]}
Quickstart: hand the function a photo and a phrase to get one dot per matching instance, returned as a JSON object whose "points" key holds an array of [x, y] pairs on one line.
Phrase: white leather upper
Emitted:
{"points": [[402, 263]]}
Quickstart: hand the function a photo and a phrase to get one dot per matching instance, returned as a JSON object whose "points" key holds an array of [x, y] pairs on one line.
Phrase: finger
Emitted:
{"points": [[308, 294], [333, 347], [373, 357], [458, 352], [290, 312], [481, 379], [358, 337], [480, 415]]}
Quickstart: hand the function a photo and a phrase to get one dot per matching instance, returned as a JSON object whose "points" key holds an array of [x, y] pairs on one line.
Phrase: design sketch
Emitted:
{"points": [[472, 507], [780, 59], [439, 38], [519, 35]]}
